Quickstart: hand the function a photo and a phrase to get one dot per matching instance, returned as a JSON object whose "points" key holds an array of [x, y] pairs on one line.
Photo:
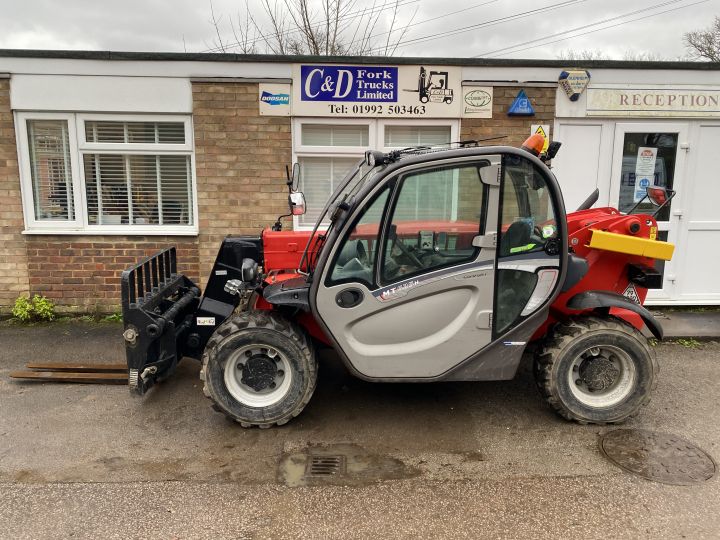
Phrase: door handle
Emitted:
{"points": [[348, 298]]}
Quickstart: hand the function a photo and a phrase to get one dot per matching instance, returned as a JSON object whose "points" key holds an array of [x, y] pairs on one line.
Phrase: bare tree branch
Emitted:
{"points": [[339, 27], [216, 23], [402, 33], [582, 54], [704, 44]]}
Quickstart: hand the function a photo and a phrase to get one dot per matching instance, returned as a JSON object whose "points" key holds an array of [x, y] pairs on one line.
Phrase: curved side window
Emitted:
{"points": [[355, 259], [528, 240]]}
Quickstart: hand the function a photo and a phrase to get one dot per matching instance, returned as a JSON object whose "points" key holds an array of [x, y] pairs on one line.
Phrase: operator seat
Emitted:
{"points": [[518, 234]]}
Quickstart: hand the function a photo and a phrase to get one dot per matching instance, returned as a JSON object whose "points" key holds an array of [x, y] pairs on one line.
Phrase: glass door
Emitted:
{"points": [[646, 155]]}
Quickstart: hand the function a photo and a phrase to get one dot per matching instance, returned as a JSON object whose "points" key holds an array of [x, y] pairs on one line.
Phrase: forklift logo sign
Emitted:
{"points": [[349, 83]]}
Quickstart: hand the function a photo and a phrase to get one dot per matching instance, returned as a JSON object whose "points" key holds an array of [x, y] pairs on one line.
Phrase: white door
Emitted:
{"points": [[696, 275], [584, 161], [653, 153]]}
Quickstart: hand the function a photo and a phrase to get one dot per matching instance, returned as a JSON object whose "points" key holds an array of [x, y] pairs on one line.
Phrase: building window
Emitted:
{"points": [[52, 189], [327, 149], [104, 174]]}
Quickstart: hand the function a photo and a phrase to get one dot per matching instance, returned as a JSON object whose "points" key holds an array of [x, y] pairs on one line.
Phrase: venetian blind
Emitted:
{"points": [[124, 189], [111, 131], [318, 178], [50, 170]]}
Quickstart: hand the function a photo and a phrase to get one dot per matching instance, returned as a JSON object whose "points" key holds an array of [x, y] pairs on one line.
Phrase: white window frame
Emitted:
{"points": [[26, 186], [78, 147], [376, 140], [454, 126]]}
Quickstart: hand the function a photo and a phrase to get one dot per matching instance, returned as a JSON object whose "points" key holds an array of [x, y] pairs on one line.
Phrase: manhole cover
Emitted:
{"points": [[660, 457], [325, 465]]}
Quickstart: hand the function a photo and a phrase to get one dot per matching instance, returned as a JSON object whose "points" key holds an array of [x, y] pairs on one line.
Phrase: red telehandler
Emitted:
{"points": [[426, 264]]}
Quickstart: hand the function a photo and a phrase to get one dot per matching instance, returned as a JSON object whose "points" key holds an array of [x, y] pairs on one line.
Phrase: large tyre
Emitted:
{"points": [[596, 370], [259, 369]]}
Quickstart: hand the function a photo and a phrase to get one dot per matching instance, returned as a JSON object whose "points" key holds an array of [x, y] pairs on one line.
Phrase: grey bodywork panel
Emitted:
{"points": [[438, 325]]}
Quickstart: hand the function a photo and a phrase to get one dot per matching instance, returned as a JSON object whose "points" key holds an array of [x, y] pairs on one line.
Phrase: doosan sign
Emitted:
{"points": [[349, 83]]}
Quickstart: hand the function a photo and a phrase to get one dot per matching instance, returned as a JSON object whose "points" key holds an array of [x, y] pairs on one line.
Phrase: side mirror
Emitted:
{"points": [[296, 200], [659, 196], [295, 181]]}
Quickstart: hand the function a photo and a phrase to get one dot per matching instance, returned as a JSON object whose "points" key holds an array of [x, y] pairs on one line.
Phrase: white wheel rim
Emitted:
{"points": [[244, 393], [621, 387]]}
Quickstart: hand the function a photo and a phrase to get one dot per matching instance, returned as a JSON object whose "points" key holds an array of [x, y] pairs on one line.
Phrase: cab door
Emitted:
{"points": [[408, 292]]}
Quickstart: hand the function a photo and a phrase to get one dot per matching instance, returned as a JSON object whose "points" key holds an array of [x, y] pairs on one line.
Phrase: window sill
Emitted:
{"points": [[115, 231]]}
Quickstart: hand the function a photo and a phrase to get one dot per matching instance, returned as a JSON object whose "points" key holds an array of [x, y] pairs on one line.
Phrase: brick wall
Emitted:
{"points": [[82, 273], [13, 261], [515, 128], [240, 160]]}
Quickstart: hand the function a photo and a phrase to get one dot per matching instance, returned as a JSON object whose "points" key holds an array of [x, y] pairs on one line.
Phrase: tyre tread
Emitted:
{"points": [[560, 337], [265, 320]]}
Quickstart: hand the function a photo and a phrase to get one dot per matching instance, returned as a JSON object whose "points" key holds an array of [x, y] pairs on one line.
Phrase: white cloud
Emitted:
{"points": [[161, 25]]}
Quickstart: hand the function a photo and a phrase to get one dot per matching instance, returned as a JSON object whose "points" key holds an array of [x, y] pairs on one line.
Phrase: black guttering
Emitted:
{"points": [[401, 60]]}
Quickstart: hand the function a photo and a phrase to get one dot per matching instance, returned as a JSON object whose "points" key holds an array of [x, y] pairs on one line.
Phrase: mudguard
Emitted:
{"points": [[606, 300]]}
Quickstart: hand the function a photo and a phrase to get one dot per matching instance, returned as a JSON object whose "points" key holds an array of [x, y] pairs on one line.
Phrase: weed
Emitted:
{"points": [[113, 317], [37, 308], [689, 343]]}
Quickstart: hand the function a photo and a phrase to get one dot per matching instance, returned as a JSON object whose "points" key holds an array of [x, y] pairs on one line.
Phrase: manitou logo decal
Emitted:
{"points": [[400, 290], [275, 99]]}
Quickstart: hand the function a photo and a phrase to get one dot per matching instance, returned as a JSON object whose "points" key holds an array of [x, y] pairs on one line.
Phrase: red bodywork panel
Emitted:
{"points": [[607, 271], [282, 250]]}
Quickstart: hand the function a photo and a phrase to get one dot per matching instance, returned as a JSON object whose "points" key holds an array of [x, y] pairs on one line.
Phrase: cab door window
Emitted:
{"points": [[435, 217], [355, 260], [528, 232]]}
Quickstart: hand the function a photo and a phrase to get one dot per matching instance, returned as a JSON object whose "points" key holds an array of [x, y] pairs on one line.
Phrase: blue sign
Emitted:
{"points": [[275, 99], [521, 106], [349, 83]]}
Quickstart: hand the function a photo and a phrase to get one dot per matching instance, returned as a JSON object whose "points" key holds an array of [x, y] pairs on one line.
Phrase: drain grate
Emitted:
{"points": [[325, 465], [660, 457]]}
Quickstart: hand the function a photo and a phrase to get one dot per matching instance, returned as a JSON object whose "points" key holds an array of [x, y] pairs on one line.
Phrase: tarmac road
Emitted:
{"points": [[466, 460]]}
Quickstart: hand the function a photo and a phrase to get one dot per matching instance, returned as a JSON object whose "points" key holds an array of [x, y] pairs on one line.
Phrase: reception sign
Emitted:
{"points": [[360, 91], [662, 101]]}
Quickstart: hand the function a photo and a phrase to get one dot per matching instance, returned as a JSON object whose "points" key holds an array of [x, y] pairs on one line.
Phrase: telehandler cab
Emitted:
{"points": [[426, 264]]}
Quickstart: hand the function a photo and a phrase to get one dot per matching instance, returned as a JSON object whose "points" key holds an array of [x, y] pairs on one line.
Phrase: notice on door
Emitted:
{"points": [[644, 171]]}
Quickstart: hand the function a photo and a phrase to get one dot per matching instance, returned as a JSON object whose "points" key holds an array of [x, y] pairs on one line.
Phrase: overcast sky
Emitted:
{"points": [[162, 25]]}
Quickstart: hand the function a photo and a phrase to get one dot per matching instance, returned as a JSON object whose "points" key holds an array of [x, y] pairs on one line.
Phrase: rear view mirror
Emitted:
{"points": [[296, 200], [659, 196], [295, 177]]}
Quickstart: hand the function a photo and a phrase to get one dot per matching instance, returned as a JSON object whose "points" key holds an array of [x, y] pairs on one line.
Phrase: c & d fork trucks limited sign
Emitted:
{"points": [[385, 91]]}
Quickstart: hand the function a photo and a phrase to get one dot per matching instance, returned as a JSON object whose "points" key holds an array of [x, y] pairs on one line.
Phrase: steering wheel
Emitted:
{"points": [[361, 253], [405, 251]]}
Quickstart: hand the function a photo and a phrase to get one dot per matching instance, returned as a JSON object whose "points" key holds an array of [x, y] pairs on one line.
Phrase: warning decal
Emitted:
{"points": [[544, 130], [631, 293]]}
